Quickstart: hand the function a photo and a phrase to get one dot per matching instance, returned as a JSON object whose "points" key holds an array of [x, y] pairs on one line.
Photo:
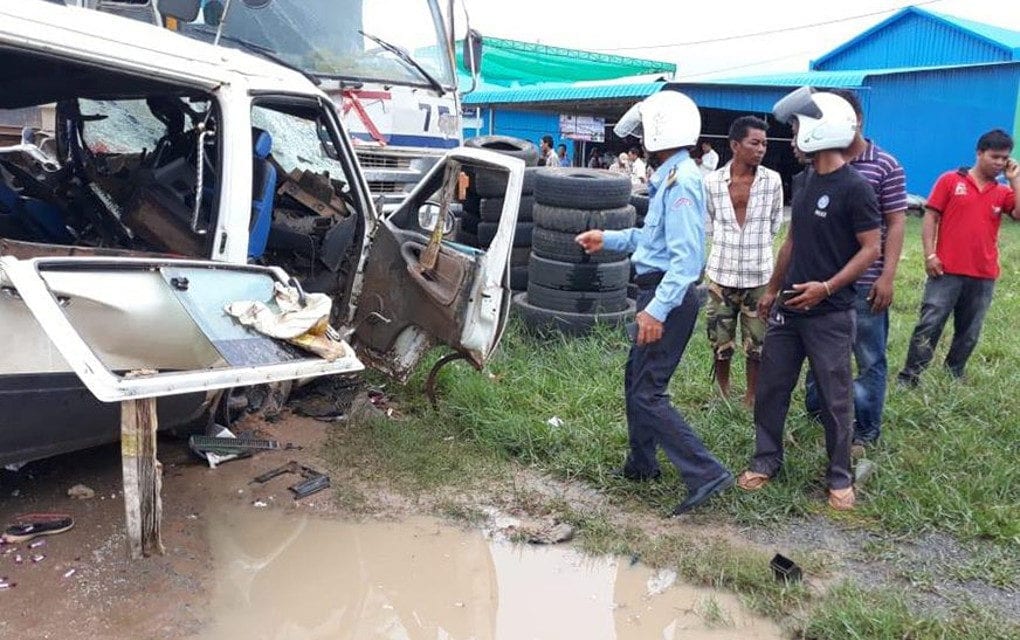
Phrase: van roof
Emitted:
{"points": [[93, 36]]}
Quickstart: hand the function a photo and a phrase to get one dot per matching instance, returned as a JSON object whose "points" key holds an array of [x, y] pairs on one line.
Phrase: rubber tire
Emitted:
{"points": [[560, 246], [578, 220], [567, 276], [491, 209], [544, 322], [508, 146], [577, 301], [520, 256], [466, 238], [580, 188], [640, 203], [469, 222], [518, 278], [522, 236], [492, 183]]}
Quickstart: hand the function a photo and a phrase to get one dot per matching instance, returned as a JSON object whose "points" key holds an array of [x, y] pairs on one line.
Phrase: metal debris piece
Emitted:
{"points": [[38, 558], [7, 585], [36, 544], [70, 572]]}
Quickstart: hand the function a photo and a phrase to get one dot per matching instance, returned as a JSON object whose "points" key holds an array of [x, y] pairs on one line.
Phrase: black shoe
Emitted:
{"points": [[704, 492], [623, 473]]}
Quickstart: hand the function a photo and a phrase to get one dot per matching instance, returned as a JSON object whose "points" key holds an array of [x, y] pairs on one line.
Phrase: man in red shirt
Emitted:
{"points": [[960, 237]]}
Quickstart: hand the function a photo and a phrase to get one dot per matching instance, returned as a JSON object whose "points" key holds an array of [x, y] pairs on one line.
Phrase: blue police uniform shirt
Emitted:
{"points": [[673, 237]]}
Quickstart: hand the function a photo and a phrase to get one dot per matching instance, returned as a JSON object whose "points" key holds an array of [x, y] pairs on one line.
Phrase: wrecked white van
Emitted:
{"points": [[170, 170]]}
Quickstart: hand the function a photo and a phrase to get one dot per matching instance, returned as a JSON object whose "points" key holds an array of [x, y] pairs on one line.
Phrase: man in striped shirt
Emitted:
{"points": [[745, 212], [874, 288]]}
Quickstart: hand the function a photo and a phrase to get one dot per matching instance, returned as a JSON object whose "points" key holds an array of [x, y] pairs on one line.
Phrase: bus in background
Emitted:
{"points": [[388, 64]]}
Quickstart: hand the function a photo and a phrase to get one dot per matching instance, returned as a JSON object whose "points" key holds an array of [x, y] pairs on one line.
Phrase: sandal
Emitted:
{"points": [[752, 480], [842, 499], [32, 525]]}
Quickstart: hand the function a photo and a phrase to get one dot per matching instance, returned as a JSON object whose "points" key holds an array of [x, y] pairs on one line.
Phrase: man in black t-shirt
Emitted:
{"points": [[833, 237]]}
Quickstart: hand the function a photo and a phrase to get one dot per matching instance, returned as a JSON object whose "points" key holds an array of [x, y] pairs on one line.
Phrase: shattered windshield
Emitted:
{"points": [[322, 36], [298, 143]]}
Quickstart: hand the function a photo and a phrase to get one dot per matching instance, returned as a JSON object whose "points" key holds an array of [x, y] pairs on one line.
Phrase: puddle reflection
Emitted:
{"points": [[290, 577]]}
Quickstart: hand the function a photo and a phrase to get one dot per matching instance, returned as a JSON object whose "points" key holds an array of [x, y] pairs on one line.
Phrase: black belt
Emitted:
{"points": [[649, 280]]}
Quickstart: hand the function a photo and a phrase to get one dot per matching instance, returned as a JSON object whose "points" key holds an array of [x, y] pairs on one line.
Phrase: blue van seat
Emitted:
{"points": [[39, 217], [263, 190]]}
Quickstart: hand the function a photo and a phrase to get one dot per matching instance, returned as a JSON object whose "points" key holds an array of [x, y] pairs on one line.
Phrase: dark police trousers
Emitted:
{"points": [[651, 419], [826, 340]]}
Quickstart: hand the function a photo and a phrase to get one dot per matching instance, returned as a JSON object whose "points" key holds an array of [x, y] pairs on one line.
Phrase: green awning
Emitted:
{"points": [[510, 62]]}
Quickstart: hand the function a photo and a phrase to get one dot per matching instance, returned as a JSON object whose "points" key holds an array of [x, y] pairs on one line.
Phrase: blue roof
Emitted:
{"points": [[1006, 38], [563, 91], [1003, 39], [833, 79], [829, 79]]}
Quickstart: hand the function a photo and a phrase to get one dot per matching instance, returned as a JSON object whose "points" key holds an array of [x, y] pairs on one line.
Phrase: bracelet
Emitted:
{"points": [[828, 291], [930, 256]]}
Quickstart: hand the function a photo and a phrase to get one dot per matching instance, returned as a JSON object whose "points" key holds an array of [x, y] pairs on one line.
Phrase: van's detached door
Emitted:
{"points": [[162, 321], [462, 300]]}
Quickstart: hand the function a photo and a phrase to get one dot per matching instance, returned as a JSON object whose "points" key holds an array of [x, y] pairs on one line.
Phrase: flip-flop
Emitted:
{"points": [[31, 525], [752, 480], [842, 499]]}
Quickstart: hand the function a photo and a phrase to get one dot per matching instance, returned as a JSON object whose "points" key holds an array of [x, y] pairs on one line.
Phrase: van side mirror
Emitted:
{"points": [[472, 52], [183, 10]]}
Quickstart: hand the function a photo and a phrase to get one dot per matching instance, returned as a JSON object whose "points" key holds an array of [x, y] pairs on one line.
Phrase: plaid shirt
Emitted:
{"points": [[741, 257]]}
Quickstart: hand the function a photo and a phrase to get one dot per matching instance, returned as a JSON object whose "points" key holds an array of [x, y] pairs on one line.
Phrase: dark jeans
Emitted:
{"points": [[968, 300], [826, 341], [872, 369], [651, 418]]}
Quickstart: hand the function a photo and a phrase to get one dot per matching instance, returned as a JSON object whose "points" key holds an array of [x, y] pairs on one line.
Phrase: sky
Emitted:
{"points": [[710, 38]]}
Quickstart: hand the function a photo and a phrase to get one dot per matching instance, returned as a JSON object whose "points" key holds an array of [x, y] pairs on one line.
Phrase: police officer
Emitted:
{"points": [[668, 255]]}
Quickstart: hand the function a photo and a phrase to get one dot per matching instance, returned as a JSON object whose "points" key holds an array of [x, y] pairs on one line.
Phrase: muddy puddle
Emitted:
{"points": [[284, 576]]}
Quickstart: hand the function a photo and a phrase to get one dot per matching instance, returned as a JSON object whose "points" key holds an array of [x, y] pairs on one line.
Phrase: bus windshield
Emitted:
{"points": [[325, 37]]}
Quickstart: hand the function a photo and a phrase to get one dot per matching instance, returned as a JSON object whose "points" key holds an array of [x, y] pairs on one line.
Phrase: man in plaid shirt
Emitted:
{"points": [[745, 212]]}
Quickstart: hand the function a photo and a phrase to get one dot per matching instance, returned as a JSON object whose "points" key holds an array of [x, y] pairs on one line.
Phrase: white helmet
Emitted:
{"points": [[824, 120], [664, 120]]}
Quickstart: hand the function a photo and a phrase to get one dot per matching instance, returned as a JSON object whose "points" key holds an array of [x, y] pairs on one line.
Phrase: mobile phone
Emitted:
{"points": [[786, 294], [632, 331]]}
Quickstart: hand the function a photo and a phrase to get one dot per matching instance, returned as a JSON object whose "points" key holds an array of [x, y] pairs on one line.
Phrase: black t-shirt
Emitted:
{"points": [[828, 211]]}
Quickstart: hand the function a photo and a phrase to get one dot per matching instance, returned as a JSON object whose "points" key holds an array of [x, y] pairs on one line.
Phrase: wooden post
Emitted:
{"points": [[143, 477]]}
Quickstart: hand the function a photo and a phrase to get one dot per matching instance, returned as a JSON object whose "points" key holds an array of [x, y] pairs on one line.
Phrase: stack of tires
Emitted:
{"points": [[568, 290], [484, 204]]}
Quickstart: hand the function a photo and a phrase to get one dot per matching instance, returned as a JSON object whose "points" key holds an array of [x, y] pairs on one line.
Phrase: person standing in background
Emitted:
{"points": [[745, 213]]}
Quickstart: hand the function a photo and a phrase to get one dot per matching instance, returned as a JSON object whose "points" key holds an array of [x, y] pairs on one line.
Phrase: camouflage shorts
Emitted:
{"points": [[725, 304]]}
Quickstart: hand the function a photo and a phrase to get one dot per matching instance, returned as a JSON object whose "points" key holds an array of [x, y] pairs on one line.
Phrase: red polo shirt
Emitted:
{"points": [[968, 239]]}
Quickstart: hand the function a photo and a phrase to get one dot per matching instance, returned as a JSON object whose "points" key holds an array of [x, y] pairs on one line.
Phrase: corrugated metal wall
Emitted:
{"points": [[914, 41], [931, 120]]}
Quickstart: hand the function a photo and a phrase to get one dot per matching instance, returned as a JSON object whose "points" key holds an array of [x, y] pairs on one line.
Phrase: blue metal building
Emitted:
{"points": [[930, 85]]}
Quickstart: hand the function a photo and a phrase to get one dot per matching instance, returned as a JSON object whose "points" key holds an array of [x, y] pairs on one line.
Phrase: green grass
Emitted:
{"points": [[947, 462]]}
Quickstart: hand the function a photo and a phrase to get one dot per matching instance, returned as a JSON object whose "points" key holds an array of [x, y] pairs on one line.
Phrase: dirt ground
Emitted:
{"points": [[85, 586], [109, 596]]}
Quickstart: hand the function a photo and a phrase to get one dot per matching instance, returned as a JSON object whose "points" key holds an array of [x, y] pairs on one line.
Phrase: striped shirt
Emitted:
{"points": [[886, 177], [741, 257]]}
